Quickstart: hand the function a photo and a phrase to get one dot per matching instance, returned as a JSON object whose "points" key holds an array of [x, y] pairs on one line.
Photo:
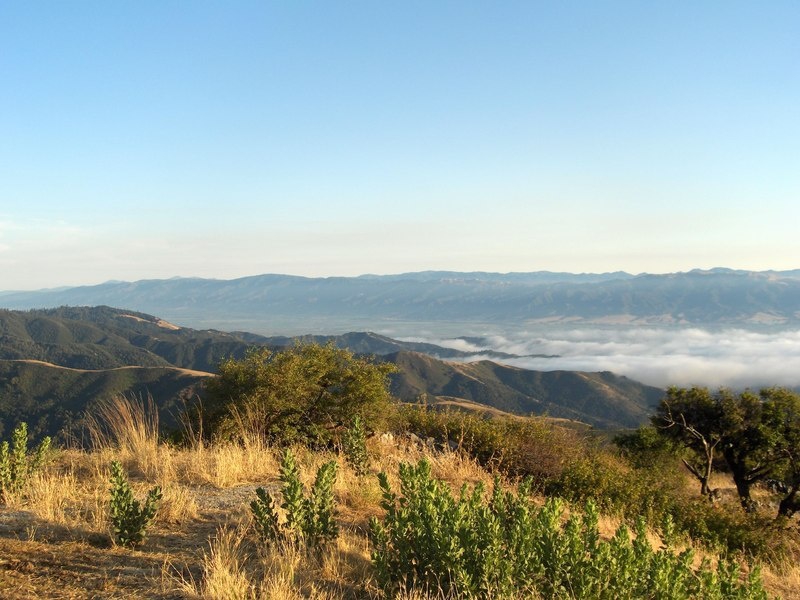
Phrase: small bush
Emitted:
{"points": [[310, 520], [471, 547], [17, 464], [354, 446], [129, 519]]}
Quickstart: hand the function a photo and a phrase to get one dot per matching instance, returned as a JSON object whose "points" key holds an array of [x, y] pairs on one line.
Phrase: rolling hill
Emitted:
{"points": [[604, 400], [55, 363]]}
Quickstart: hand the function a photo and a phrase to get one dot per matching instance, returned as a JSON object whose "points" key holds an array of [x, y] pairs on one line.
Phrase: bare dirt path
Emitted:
{"points": [[126, 368]]}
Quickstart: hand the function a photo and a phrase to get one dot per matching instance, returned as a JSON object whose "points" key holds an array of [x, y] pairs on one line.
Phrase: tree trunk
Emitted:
{"points": [[743, 489], [742, 477], [702, 476], [790, 504]]}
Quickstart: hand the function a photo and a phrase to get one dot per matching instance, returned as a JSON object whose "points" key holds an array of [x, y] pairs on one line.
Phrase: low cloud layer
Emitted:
{"points": [[657, 356]]}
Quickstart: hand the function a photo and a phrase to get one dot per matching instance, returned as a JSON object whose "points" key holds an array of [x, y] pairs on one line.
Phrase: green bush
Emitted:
{"points": [[310, 520], [305, 394], [129, 518], [354, 446], [473, 547], [643, 477], [531, 448], [657, 492], [17, 464]]}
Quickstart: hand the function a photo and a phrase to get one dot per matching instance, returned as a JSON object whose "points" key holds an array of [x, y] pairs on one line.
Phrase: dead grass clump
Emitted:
{"points": [[456, 468], [224, 573], [129, 426], [358, 498], [235, 568], [228, 464], [50, 494], [178, 505]]}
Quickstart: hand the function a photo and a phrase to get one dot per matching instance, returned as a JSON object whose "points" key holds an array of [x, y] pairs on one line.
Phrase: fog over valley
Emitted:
{"points": [[660, 356]]}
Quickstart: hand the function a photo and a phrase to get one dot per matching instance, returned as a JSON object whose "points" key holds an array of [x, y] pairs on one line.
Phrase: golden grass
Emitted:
{"points": [[226, 465], [128, 424], [232, 569], [49, 496], [224, 575]]}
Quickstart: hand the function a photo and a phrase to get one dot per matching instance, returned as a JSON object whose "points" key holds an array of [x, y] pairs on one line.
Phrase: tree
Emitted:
{"points": [[749, 447], [781, 416], [692, 417], [306, 393], [758, 436]]}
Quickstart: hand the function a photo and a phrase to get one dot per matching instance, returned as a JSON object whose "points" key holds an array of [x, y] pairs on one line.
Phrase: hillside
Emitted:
{"points": [[101, 337], [51, 398], [338, 304], [604, 400], [55, 363]]}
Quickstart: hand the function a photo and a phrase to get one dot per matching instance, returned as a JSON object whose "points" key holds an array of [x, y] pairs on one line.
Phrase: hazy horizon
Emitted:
{"points": [[391, 274]]}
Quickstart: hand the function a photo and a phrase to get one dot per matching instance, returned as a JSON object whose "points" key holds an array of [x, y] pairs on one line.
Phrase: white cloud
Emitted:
{"points": [[658, 356]]}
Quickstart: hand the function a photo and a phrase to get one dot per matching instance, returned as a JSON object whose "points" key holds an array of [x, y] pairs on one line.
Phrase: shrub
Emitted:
{"points": [[643, 478], [471, 547], [129, 518], [531, 448], [310, 520], [17, 464], [354, 446], [305, 394]]}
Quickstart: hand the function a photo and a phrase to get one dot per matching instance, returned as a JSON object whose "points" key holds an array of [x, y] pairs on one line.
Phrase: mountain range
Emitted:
{"points": [[297, 305], [55, 363]]}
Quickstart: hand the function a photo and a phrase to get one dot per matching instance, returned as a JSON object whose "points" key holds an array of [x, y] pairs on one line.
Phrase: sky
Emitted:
{"points": [[153, 139]]}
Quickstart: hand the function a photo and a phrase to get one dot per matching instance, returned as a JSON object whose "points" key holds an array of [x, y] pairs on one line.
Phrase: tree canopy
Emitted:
{"points": [[757, 435], [306, 393]]}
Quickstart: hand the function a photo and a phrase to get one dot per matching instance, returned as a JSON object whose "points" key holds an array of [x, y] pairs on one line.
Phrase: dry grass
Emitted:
{"points": [[234, 569], [226, 465], [129, 426], [224, 576], [49, 496]]}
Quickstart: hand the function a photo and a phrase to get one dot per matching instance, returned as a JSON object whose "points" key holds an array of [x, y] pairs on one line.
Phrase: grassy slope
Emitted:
{"points": [[600, 399]]}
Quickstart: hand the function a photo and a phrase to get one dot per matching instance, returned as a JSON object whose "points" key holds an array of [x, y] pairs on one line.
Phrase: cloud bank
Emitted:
{"points": [[657, 356]]}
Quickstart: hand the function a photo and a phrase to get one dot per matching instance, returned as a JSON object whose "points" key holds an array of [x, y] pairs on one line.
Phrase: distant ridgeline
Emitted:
{"points": [[55, 363], [716, 296]]}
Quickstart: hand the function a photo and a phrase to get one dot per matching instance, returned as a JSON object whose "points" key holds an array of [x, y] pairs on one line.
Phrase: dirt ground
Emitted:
{"points": [[39, 560]]}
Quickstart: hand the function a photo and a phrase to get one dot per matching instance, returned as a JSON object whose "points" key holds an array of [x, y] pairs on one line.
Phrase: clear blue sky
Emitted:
{"points": [[221, 139]]}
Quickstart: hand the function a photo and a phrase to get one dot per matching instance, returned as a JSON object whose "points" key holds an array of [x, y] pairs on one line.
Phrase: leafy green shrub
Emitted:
{"points": [[657, 492], [471, 547], [646, 447], [129, 519], [645, 479], [17, 464], [310, 520], [518, 447], [616, 486], [729, 529], [354, 446], [304, 394]]}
